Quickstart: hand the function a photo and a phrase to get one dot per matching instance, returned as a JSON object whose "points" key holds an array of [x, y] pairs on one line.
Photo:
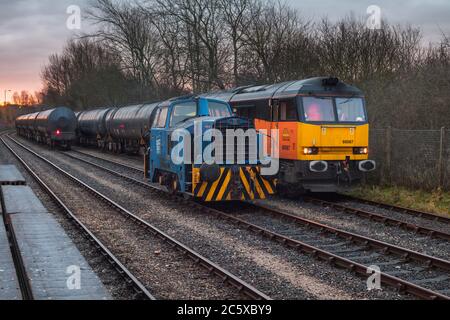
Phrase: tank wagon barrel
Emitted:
{"points": [[26, 122], [92, 126], [92, 123], [131, 122], [62, 120], [120, 130], [130, 125], [54, 127]]}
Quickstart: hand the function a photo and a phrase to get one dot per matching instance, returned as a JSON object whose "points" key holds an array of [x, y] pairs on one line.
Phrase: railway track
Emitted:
{"points": [[223, 275], [401, 268], [406, 270], [139, 288], [416, 228], [127, 167], [403, 210], [377, 217]]}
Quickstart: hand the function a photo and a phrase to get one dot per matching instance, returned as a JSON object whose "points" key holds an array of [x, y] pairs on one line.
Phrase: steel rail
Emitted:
{"points": [[380, 218], [417, 213], [226, 277], [110, 257], [400, 284], [376, 244], [385, 248], [123, 165], [376, 217], [118, 174]]}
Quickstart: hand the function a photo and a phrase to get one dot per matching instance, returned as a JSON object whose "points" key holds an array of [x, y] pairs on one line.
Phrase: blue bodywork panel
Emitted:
{"points": [[161, 134]]}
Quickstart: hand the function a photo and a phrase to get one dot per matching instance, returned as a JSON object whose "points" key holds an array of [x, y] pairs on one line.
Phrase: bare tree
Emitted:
{"points": [[273, 30], [203, 37], [85, 74], [173, 67], [236, 15], [156, 49], [16, 98], [24, 98], [125, 29]]}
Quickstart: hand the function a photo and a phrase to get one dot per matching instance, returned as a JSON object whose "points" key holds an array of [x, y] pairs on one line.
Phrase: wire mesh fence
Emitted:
{"points": [[412, 158]]}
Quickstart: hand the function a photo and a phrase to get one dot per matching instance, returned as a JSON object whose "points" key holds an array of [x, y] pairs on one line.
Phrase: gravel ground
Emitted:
{"points": [[362, 226], [110, 278], [348, 222], [391, 264], [274, 269], [166, 273], [135, 161]]}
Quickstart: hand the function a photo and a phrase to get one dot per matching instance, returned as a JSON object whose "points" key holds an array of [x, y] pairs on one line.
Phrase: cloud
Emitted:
{"points": [[430, 15], [31, 30]]}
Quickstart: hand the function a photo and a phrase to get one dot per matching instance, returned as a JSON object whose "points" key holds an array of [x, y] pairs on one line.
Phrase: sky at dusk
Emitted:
{"points": [[31, 30]]}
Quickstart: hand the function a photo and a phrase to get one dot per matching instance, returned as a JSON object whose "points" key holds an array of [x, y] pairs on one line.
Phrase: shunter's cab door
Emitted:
{"points": [[158, 140]]}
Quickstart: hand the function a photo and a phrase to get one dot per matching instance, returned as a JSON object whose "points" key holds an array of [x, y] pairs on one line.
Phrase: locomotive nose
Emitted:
{"points": [[209, 172]]}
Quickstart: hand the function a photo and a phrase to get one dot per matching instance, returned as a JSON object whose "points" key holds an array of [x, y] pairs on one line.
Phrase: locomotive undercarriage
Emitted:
{"points": [[107, 144], [299, 177]]}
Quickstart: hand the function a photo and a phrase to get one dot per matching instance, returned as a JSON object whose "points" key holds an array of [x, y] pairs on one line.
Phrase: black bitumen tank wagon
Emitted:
{"points": [[92, 126], [55, 127], [119, 130], [129, 126]]}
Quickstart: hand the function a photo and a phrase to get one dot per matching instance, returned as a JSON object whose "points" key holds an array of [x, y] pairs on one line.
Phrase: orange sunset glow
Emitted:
{"points": [[31, 31]]}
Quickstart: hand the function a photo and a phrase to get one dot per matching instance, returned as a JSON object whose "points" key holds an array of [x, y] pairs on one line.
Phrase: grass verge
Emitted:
{"points": [[435, 202]]}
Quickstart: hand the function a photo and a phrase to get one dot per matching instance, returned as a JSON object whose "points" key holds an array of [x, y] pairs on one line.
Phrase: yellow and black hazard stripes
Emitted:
{"points": [[268, 186], [213, 191], [240, 183], [259, 187]]}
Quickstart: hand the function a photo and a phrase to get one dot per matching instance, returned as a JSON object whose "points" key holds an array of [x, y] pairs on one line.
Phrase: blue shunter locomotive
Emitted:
{"points": [[178, 144]]}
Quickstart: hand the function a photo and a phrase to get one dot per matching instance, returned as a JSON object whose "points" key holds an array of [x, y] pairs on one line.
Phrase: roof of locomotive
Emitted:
{"points": [[318, 85]]}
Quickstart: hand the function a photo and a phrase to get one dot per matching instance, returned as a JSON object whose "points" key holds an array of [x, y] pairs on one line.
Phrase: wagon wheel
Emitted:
{"points": [[160, 179], [173, 185]]}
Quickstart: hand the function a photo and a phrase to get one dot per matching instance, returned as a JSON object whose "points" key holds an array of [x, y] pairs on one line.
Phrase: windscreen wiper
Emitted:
{"points": [[189, 118], [352, 97]]}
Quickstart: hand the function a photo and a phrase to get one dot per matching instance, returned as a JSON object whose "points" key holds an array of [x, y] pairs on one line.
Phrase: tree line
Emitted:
{"points": [[154, 49], [26, 98]]}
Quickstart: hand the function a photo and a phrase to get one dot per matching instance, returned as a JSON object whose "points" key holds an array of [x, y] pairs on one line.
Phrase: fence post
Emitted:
{"points": [[388, 155], [441, 159]]}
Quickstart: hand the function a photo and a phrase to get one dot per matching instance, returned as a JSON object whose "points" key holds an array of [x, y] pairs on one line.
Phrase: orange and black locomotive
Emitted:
{"points": [[323, 130]]}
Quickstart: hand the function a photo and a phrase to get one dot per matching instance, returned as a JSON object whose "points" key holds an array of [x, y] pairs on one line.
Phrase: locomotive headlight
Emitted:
{"points": [[364, 150], [309, 151]]}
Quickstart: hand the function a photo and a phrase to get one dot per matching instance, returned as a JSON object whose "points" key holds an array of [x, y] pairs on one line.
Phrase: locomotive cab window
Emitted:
{"points": [[318, 109], [161, 117], [248, 111], [217, 109], [287, 111], [350, 110], [182, 112]]}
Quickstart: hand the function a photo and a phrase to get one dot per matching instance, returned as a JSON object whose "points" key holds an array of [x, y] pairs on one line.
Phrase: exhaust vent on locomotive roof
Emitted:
{"points": [[330, 82]]}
